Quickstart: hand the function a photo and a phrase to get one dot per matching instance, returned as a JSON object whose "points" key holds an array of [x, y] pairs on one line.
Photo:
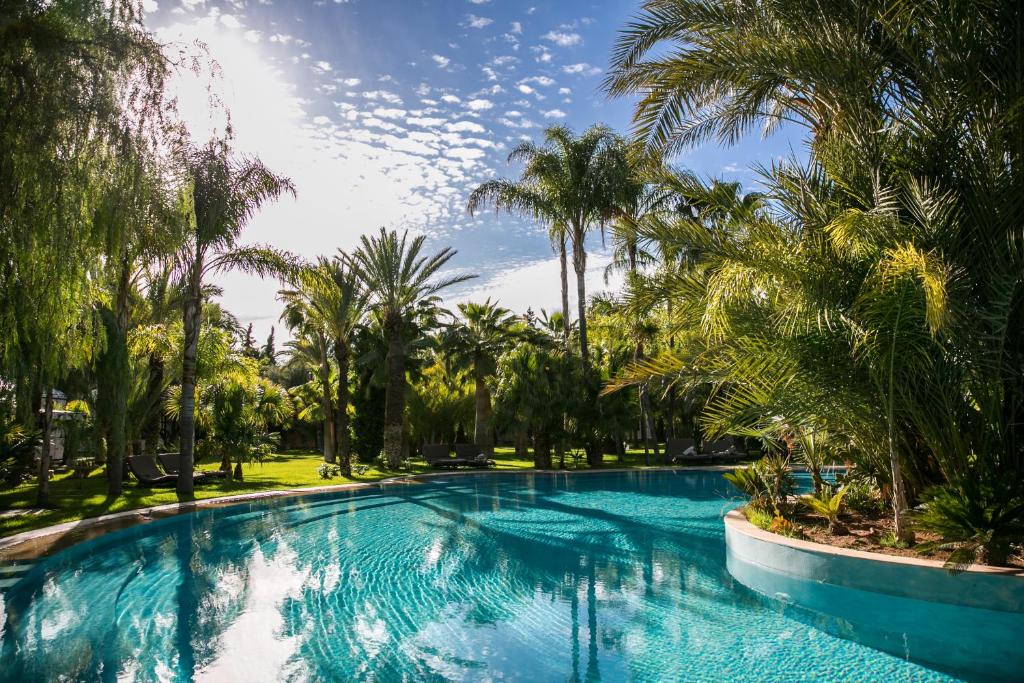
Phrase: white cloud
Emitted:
{"points": [[424, 121], [525, 89], [450, 99], [389, 97], [517, 27], [539, 80], [230, 20], [479, 104], [351, 82], [473, 21], [581, 68], [554, 114], [389, 113], [535, 285], [441, 61], [562, 38], [465, 127]]}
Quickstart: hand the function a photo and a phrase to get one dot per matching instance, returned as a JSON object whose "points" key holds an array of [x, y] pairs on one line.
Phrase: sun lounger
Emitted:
{"points": [[681, 451], [437, 455], [145, 470], [472, 454], [171, 464]]}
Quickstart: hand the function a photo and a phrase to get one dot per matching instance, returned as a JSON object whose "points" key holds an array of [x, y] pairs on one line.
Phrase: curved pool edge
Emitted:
{"points": [[35, 544], [909, 607]]}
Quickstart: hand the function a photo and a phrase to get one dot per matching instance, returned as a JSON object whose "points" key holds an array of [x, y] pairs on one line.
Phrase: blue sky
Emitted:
{"points": [[389, 112]]}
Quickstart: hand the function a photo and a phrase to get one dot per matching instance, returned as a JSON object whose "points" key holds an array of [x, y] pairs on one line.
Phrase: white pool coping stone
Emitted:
{"points": [[921, 578]]}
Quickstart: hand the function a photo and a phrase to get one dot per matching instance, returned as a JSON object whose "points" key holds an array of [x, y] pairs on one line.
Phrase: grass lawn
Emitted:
{"points": [[74, 499]]}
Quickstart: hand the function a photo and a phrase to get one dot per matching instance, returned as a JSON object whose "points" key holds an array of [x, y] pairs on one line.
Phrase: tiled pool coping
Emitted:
{"points": [[37, 543]]}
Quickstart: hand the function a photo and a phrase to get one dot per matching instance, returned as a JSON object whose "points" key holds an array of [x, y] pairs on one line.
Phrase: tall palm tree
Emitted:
{"points": [[224, 192], [311, 347], [485, 331], [330, 298], [571, 183], [399, 278]]}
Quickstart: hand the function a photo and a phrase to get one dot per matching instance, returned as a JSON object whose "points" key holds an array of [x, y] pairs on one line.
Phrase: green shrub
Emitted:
{"points": [[828, 504], [979, 520], [762, 519]]}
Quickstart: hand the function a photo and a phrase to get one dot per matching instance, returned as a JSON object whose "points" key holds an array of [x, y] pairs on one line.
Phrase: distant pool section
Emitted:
{"points": [[525, 577], [971, 622]]}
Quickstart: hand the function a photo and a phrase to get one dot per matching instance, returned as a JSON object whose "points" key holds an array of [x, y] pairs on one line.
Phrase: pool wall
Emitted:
{"points": [[964, 623]]}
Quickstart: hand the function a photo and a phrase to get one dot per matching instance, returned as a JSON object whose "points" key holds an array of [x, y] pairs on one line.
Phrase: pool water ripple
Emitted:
{"points": [[504, 578]]}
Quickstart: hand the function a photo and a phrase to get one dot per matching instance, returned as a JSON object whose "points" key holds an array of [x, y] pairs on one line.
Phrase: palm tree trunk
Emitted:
{"points": [[187, 414], [341, 433], [579, 263], [482, 435], [43, 494], [327, 400], [899, 494], [563, 261], [394, 404]]}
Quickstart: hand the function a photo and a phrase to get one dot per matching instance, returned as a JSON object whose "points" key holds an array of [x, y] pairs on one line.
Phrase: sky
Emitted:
{"points": [[389, 112]]}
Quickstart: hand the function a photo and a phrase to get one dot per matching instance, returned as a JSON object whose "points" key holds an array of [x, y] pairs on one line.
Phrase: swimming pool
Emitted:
{"points": [[610, 576]]}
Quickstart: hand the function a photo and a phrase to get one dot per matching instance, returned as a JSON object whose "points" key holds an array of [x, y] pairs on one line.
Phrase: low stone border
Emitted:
{"points": [[737, 522], [29, 545], [910, 607]]}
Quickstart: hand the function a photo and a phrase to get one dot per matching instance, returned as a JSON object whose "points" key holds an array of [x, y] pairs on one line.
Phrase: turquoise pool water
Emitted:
{"points": [[608, 577]]}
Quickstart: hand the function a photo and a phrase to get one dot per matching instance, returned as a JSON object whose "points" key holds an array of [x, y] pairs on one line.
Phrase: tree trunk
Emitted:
{"points": [[563, 260], [483, 435], [114, 381], [541, 451], [43, 494], [341, 432], [579, 263], [187, 416], [394, 403], [327, 402], [522, 443], [112, 395]]}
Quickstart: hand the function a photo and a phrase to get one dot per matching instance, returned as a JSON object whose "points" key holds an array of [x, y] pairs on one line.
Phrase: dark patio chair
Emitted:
{"points": [[473, 455], [145, 470], [681, 451], [171, 464], [437, 455]]}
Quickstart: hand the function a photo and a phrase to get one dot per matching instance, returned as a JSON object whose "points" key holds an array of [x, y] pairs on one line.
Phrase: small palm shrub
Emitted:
{"points": [[862, 495], [979, 521], [768, 482], [828, 504]]}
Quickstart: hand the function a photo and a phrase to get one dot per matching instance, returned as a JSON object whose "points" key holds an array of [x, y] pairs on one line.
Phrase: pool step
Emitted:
{"points": [[10, 574]]}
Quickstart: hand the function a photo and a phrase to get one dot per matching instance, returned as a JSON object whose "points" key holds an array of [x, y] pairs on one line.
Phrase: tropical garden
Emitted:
{"points": [[863, 304]]}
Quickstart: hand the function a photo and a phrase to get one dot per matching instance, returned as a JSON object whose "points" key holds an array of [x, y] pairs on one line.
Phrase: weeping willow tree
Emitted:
{"points": [[878, 292], [76, 77]]}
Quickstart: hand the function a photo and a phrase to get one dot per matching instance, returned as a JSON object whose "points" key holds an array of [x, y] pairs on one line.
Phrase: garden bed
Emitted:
{"points": [[869, 532]]}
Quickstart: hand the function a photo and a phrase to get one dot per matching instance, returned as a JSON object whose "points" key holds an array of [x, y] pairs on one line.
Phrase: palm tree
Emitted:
{"points": [[311, 348], [571, 183], [398, 278], [484, 333], [331, 300], [224, 193]]}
